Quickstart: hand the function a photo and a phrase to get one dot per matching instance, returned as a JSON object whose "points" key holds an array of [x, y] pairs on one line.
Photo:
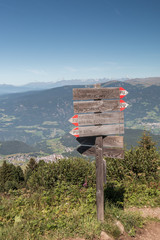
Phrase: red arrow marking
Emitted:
{"points": [[121, 89], [76, 124], [75, 116], [75, 132], [123, 92], [123, 105], [74, 120]]}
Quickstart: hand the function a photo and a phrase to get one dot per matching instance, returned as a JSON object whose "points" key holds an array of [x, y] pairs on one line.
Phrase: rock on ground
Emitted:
{"points": [[105, 236], [120, 227]]}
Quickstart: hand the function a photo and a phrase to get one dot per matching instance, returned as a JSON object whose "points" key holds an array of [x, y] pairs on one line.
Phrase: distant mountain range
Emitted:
{"points": [[146, 82], [42, 116], [36, 86]]}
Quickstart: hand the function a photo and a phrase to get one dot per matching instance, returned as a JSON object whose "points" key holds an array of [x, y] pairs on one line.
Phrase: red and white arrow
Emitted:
{"points": [[75, 132], [123, 105], [74, 120], [123, 92]]}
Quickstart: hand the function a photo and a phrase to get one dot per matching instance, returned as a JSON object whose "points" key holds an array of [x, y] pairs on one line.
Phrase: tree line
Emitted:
{"points": [[140, 163]]}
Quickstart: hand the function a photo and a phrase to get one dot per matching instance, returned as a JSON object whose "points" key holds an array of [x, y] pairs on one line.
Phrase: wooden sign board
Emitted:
{"points": [[99, 118], [109, 141], [99, 106], [107, 152], [101, 130], [98, 93]]}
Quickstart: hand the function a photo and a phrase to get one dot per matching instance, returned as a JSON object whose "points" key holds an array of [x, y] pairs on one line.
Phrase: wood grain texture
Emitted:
{"points": [[99, 118], [96, 93], [113, 141], [108, 141], [107, 152], [104, 171], [99, 178], [113, 153], [96, 106], [101, 130]]}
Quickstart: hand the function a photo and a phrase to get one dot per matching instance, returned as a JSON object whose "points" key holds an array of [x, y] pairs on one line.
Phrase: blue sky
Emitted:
{"points": [[51, 40]]}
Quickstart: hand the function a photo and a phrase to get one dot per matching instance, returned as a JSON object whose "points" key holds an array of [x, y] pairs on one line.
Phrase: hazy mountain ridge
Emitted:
{"points": [[144, 81], [37, 86]]}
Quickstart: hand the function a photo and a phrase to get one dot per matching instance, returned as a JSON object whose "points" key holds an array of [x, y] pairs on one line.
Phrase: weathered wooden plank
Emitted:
{"points": [[96, 106], [107, 152], [109, 141], [113, 141], [96, 93], [113, 153], [99, 178], [101, 130], [99, 118]]}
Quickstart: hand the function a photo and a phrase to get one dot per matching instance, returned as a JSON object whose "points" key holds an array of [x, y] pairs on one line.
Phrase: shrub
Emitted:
{"points": [[73, 171], [140, 163], [11, 177]]}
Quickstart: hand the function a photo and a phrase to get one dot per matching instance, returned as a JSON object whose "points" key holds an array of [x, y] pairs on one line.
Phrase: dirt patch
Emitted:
{"points": [[150, 232], [146, 212]]}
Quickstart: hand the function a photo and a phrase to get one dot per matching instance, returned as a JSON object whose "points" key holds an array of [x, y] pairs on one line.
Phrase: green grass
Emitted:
{"points": [[64, 212], [140, 195]]}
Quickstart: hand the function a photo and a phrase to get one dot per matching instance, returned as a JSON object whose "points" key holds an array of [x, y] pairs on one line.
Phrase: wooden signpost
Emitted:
{"points": [[100, 120]]}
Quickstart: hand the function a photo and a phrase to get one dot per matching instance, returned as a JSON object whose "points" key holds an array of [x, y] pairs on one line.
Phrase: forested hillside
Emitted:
{"points": [[11, 147]]}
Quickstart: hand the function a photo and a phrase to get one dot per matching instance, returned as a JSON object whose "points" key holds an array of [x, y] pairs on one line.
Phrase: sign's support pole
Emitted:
{"points": [[99, 174], [99, 179]]}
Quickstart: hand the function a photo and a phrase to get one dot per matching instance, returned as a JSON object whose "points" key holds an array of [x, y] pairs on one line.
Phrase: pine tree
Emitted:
{"points": [[146, 142], [148, 156], [11, 177], [31, 166]]}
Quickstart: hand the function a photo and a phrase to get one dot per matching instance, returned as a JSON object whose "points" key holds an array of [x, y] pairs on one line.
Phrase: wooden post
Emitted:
{"points": [[99, 173], [99, 179]]}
